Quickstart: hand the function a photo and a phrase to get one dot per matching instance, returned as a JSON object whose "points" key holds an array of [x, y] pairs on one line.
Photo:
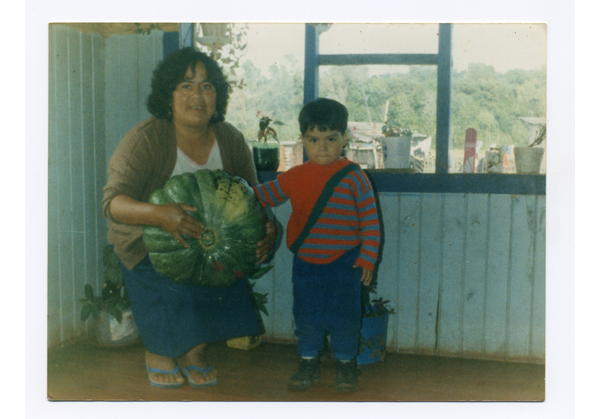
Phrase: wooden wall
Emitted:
{"points": [[464, 272], [97, 89]]}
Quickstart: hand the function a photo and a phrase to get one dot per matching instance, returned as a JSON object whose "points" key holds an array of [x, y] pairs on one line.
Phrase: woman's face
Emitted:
{"points": [[194, 99]]}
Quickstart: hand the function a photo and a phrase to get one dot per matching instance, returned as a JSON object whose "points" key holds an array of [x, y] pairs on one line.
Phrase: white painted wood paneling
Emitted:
{"points": [[76, 168], [94, 98], [464, 272]]}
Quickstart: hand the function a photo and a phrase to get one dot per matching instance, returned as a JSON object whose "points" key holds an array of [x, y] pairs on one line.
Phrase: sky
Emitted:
{"points": [[503, 45]]}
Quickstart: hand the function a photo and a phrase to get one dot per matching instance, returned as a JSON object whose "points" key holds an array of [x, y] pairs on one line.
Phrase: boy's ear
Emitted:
{"points": [[345, 139]]}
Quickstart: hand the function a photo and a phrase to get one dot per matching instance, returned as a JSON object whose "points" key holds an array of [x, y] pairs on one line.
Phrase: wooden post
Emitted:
{"points": [[444, 90], [311, 64]]}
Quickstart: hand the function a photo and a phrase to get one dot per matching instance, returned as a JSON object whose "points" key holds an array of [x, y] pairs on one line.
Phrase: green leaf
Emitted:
{"points": [[260, 272], [260, 302], [89, 292], [370, 343], [95, 311], [86, 310], [263, 309]]}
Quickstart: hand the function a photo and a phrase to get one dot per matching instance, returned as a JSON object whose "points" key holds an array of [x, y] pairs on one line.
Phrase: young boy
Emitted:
{"points": [[333, 232]]}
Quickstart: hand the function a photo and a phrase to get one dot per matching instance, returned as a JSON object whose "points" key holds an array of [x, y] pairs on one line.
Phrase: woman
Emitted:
{"points": [[186, 133]]}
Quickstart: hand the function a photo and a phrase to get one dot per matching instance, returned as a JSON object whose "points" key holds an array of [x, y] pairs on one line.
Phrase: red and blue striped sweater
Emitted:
{"points": [[349, 218]]}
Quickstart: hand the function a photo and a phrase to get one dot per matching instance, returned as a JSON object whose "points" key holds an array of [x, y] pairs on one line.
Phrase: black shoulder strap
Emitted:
{"points": [[321, 203]]}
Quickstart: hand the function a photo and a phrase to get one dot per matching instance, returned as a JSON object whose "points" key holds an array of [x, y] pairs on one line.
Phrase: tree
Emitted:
{"points": [[481, 98]]}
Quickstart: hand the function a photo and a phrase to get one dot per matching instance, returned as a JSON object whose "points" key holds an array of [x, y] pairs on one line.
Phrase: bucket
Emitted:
{"points": [[109, 332], [396, 152], [373, 337], [528, 160]]}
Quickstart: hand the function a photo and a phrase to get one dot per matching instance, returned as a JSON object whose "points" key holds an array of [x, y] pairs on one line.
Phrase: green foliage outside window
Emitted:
{"points": [[482, 98]]}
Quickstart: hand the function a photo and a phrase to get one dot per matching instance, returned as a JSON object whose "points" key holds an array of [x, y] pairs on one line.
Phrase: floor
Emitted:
{"points": [[84, 371]]}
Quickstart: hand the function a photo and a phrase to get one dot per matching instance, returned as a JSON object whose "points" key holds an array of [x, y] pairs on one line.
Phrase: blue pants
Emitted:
{"points": [[173, 318], [327, 298]]}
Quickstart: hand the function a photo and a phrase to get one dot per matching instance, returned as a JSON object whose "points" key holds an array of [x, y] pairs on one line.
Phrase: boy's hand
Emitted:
{"points": [[366, 277], [264, 246]]}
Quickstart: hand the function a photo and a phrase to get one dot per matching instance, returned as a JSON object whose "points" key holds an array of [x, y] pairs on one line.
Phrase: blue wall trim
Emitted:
{"points": [[496, 184], [386, 59]]}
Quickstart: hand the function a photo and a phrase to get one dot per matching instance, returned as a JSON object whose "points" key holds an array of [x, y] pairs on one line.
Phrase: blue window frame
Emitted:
{"points": [[441, 181]]}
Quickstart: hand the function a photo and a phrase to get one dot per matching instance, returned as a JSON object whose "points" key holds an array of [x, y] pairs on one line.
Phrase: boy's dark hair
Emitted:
{"points": [[323, 114], [171, 71]]}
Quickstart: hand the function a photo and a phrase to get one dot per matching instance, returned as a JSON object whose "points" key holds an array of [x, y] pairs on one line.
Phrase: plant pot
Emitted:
{"points": [[109, 332], [266, 156], [373, 337], [245, 342], [528, 160], [494, 161], [396, 152]]}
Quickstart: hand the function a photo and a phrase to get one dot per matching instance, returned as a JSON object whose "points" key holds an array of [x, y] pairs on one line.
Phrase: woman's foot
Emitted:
{"points": [[163, 363], [203, 375]]}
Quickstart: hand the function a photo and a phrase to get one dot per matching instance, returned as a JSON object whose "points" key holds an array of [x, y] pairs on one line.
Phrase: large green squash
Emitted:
{"points": [[234, 222]]}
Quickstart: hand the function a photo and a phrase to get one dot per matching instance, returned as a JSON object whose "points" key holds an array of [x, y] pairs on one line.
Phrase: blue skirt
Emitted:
{"points": [[173, 318]]}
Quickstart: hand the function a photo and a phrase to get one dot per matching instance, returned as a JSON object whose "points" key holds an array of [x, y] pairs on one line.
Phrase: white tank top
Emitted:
{"points": [[184, 164]]}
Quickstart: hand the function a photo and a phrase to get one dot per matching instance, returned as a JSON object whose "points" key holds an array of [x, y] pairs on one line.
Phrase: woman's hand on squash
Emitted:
{"points": [[176, 220], [265, 245]]}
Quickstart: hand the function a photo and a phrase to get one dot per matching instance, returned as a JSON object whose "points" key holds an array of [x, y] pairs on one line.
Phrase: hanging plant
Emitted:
{"points": [[226, 44]]}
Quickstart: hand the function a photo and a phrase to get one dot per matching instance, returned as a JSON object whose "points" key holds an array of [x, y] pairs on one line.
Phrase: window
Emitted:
{"points": [[389, 73], [268, 80]]}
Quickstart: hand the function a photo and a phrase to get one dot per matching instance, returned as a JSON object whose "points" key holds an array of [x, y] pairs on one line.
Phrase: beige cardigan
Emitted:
{"points": [[144, 161]]}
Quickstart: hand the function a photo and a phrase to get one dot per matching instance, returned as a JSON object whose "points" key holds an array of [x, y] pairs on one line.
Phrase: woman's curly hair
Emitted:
{"points": [[171, 71]]}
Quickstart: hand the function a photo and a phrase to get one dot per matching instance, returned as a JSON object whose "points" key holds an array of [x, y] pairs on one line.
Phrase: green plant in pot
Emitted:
{"points": [[265, 151], [392, 129], [493, 159], [528, 159], [112, 320], [373, 332], [396, 144]]}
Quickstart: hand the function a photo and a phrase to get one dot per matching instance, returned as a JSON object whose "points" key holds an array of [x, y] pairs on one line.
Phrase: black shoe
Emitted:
{"points": [[346, 374], [308, 372]]}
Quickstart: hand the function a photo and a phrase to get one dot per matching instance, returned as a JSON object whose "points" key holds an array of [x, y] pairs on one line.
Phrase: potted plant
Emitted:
{"points": [[396, 145], [113, 323], [529, 159], [259, 302], [373, 332], [266, 152], [493, 159]]}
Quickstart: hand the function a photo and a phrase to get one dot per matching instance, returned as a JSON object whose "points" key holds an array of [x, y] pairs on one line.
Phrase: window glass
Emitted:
{"points": [[268, 81], [379, 38], [392, 108], [498, 89], [392, 113]]}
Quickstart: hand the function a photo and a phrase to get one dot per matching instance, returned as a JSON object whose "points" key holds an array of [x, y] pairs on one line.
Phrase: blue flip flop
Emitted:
{"points": [[204, 371], [159, 371]]}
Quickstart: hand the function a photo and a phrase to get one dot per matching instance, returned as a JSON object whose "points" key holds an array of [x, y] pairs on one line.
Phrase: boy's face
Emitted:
{"points": [[323, 147]]}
